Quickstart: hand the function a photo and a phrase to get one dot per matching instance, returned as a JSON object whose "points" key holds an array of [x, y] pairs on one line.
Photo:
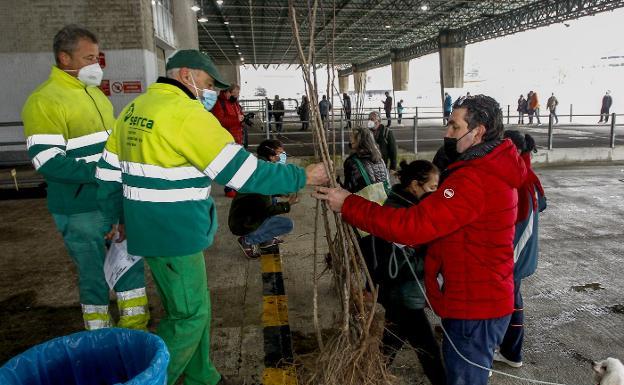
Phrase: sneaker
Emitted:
{"points": [[272, 242], [230, 194], [251, 251], [500, 358]]}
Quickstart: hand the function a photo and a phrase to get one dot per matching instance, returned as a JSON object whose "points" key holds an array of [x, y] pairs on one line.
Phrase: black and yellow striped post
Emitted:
{"points": [[278, 352]]}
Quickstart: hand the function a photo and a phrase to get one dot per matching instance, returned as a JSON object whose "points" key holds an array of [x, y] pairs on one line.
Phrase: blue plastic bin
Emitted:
{"points": [[99, 357]]}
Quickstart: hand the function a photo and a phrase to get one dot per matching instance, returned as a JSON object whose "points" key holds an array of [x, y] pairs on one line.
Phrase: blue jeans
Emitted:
{"points": [[511, 348], [475, 340], [271, 227]]}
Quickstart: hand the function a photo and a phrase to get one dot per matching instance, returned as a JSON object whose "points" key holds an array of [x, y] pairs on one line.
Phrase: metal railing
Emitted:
{"points": [[421, 129]]}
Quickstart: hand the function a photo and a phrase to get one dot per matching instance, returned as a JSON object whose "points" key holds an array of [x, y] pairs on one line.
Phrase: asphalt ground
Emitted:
{"points": [[574, 303]]}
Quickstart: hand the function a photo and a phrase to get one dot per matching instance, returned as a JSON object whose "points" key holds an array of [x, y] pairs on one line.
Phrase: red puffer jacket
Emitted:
{"points": [[468, 224], [227, 113]]}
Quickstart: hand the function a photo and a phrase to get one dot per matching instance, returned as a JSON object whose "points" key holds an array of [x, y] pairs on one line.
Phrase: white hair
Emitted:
{"points": [[173, 73]]}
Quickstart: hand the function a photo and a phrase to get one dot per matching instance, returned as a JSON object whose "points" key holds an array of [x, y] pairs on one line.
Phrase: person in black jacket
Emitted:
{"points": [[607, 101], [304, 113], [278, 113], [388, 108], [385, 140], [346, 104], [399, 283], [365, 156], [256, 218]]}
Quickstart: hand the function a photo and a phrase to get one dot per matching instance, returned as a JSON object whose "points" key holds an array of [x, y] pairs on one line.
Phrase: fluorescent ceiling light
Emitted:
{"points": [[195, 8], [202, 19], [226, 22], [219, 2], [387, 26], [424, 7]]}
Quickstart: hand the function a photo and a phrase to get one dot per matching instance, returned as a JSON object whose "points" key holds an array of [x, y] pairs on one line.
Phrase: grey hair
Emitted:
{"points": [[365, 144], [68, 37], [374, 115]]}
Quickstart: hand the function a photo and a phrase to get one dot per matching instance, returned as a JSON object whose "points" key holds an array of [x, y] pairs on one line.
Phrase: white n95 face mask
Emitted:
{"points": [[91, 75], [370, 124]]}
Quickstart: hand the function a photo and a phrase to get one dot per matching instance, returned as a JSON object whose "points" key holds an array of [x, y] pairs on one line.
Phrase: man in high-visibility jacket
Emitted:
{"points": [[66, 120], [156, 171]]}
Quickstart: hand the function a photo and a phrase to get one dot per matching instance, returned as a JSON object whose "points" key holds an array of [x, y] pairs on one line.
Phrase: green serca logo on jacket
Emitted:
{"points": [[137, 121]]}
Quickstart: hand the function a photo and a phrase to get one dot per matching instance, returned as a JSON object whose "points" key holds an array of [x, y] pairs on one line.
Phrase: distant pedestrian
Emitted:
{"points": [[552, 107], [530, 110], [270, 110], [324, 108], [304, 113], [346, 105], [522, 109], [278, 113], [388, 108], [534, 106], [400, 110], [607, 101], [448, 107]]}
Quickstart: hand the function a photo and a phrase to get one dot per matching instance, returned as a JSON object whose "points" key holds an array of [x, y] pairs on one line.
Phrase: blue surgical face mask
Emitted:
{"points": [[208, 97], [282, 158]]}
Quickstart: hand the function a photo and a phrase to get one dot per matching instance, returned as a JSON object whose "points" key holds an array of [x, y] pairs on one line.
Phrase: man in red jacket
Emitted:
{"points": [[229, 113], [468, 224]]}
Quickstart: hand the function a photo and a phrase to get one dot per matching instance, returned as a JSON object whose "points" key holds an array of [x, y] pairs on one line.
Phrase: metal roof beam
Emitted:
{"points": [[531, 16]]}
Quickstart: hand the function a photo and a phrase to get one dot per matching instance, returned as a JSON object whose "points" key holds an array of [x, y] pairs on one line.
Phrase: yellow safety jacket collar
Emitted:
{"points": [[176, 83]]}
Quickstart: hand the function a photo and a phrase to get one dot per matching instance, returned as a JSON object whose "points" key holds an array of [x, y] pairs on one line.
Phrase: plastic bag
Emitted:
{"points": [[99, 357]]}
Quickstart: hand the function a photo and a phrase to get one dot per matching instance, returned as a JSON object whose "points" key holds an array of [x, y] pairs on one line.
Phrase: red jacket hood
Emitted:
{"points": [[503, 162]]}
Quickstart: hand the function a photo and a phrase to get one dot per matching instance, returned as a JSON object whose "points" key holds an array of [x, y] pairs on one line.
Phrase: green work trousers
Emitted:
{"points": [[183, 289], [83, 234]]}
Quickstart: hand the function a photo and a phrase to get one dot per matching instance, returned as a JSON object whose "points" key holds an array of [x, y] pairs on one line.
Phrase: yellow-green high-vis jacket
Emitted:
{"points": [[158, 165], [65, 125]]}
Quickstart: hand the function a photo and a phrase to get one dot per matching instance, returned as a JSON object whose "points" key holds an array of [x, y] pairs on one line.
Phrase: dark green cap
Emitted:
{"points": [[192, 58]]}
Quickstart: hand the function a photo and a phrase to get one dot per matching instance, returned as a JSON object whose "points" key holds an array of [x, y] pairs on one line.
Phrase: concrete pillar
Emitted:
{"points": [[359, 80], [343, 84], [184, 24], [125, 30], [230, 73], [451, 62], [400, 74]]}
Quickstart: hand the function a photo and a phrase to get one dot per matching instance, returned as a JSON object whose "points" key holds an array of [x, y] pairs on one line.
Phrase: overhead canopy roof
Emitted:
{"points": [[370, 33]]}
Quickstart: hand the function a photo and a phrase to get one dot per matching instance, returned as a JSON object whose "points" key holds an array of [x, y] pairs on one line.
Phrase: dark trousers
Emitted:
{"points": [[511, 348], [348, 117], [604, 113], [475, 340], [553, 114], [400, 117], [279, 118], [304, 125], [389, 117], [411, 325]]}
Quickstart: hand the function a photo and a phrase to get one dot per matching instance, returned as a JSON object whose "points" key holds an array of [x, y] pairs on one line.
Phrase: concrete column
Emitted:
{"points": [[451, 62], [400, 74], [184, 24], [359, 80], [343, 84], [230, 73]]}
